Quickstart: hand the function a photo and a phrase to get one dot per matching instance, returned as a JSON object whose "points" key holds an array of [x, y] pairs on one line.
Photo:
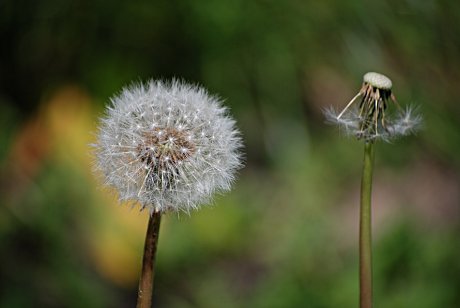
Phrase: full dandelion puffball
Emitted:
{"points": [[168, 146]]}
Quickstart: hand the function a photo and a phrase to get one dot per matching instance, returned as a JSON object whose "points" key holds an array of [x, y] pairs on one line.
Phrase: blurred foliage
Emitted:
{"points": [[287, 235]]}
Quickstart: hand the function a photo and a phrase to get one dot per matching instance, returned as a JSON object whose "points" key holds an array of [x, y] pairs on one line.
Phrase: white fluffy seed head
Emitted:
{"points": [[378, 80], [168, 146]]}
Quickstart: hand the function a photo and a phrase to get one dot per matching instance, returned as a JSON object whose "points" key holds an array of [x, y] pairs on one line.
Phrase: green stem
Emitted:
{"points": [[144, 296], [365, 237]]}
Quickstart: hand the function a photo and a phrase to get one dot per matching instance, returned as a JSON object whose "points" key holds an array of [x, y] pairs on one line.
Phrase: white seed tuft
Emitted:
{"points": [[168, 146]]}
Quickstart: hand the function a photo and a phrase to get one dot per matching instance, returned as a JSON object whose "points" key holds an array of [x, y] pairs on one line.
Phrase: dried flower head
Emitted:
{"points": [[368, 120], [168, 146]]}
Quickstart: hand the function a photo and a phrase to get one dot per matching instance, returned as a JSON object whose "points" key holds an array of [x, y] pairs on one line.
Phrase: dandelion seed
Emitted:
{"points": [[369, 119], [152, 136]]}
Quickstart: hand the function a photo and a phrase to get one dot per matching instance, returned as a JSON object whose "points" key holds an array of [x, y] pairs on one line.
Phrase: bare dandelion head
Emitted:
{"points": [[168, 146], [377, 80], [366, 115]]}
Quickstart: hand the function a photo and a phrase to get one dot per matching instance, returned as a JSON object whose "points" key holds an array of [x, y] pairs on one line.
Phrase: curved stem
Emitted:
{"points": [[144, 295], [365, 238]]}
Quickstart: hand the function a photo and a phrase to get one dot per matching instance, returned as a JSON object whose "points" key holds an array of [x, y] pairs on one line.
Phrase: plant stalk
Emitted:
{"points": [[365, 229], [144, 295]]}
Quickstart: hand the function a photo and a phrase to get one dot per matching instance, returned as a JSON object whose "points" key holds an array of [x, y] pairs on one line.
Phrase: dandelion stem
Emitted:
{"points": [[144, 296], [365, 238]]}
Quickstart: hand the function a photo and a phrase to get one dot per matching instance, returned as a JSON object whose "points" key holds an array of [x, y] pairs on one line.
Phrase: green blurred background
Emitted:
{"points": [[286, 236]]}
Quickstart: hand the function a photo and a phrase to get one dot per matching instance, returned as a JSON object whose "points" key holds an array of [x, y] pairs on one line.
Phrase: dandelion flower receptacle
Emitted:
{"points": [[368, 117], [167, 146]]}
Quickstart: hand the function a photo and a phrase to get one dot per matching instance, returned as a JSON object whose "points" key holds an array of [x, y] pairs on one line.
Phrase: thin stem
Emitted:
{"points": [[365, 238], [144, 296], [349, 104]]}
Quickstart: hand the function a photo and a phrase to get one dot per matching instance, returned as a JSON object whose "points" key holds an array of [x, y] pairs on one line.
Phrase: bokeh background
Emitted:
{"points": [[286, 236]]}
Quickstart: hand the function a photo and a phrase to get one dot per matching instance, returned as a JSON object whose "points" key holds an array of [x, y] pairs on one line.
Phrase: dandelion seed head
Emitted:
{"points": [[367, 117], [167, 146]]}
